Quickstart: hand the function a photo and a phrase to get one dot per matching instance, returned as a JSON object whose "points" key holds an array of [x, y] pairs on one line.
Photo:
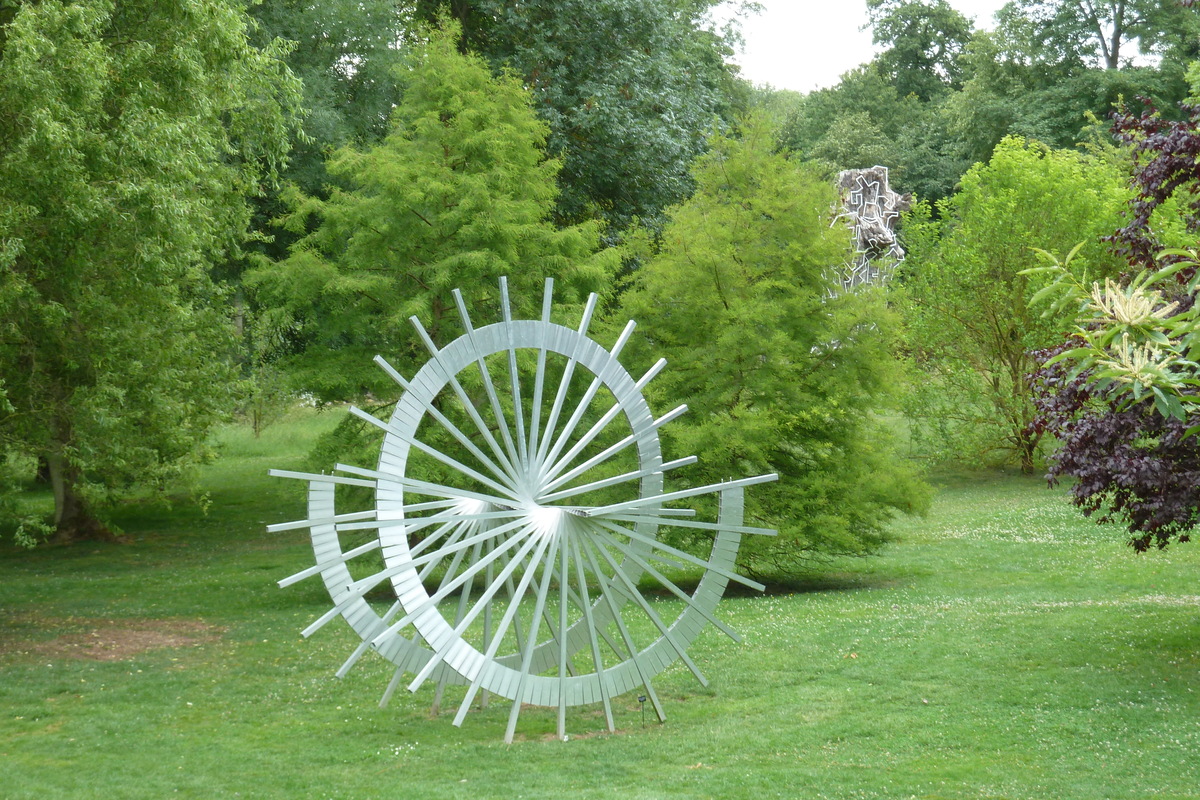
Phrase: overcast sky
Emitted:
{"points": [[808, 44]]}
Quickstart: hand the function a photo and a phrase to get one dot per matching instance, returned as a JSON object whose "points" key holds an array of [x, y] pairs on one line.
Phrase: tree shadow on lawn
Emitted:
{"points": [[808, 583]]}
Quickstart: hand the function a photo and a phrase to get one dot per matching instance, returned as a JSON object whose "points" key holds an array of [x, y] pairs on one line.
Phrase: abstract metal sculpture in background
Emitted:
{"points": [[518, 502], [872, 209]]}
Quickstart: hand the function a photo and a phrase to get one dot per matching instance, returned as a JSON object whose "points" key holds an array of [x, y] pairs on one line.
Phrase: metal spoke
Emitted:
{"points": [[597, 660], [464, 399], [565, 381], [668, 496], [665, 582], [600, 424], [433, 411], [488, 386], [633, 438], [631, 591], [531, 640], [501, 627], [624, 632], [680, 554], [535, 410], [605, 482], [514, 376]]}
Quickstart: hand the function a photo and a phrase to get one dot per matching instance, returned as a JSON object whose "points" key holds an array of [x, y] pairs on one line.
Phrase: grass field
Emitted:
{"points": [[1002, 648]]}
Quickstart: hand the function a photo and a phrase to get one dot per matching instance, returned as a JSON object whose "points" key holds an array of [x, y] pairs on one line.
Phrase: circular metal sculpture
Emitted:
{"points": [[518, 503]]}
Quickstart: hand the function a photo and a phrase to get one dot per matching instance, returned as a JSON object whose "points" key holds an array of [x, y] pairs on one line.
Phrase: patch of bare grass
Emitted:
{"points": [[100, 639]]}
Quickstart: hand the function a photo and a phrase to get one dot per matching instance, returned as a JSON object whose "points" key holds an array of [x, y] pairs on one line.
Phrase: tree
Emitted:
{"points": [[1120, 394], [345, 52], [854, 141], [629, 88], [923, 40], [969, 324], [1019, 80], [131, 137], [1104, 31], [458, 194], [864, 121], [863, 90], [778, 375]]}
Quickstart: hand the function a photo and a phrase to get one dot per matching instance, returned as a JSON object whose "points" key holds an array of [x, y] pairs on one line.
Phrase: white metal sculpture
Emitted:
{"points": [[521, 571], [872, 210]]}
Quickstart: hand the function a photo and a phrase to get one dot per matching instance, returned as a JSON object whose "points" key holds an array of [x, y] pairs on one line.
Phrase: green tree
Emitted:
{"points": [[969, 325], [923, 40], [131, 137], [630, 89], [864, 121], [345, 53], [1021, 80], [778, 376], [864, 90], [854, 141], [1105, 32], [458, 194]]}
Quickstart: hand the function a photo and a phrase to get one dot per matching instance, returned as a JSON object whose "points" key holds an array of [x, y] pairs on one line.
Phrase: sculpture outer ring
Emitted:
{"points": [[499, 675]]}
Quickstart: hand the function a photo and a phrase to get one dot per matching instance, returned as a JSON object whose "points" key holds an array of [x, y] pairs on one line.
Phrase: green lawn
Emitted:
{"points": [[1003, 648]]}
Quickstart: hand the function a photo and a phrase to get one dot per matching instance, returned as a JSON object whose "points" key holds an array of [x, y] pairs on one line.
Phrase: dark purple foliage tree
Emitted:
{"points": [[1131, 464], [1166, 157]]}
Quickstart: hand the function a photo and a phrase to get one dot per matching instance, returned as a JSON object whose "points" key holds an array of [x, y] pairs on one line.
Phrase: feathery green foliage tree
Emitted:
{"points": [[131, 137], [778, 375], [459, 193]]}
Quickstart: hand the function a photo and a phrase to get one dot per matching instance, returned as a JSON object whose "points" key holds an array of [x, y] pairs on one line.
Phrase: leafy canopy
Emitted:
{"points": [[778, 376], [631, 89], [922, 41], [969, 325], [131, 137], [459, 193]]}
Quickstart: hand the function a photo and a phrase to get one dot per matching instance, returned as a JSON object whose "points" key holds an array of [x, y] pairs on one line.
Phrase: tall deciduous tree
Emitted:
{"points": [[1109, 33], [969, 323], [1026, 80], [131, 136], [778, 375], [345, 53], [629, 88], [864, 121], [459, 193], [922, 40]]}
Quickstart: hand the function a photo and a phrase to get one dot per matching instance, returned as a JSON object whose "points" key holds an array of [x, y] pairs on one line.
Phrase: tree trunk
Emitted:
{"points": [[1027, 464], [1027, 443], [73, 520]]}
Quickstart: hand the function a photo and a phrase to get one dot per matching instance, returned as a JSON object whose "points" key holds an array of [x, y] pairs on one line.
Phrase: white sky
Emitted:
{"points": [[808, 44]]}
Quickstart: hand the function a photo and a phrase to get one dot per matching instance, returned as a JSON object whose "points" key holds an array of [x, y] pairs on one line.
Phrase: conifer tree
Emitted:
{"points": [[779, 376], [459, 193]]}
